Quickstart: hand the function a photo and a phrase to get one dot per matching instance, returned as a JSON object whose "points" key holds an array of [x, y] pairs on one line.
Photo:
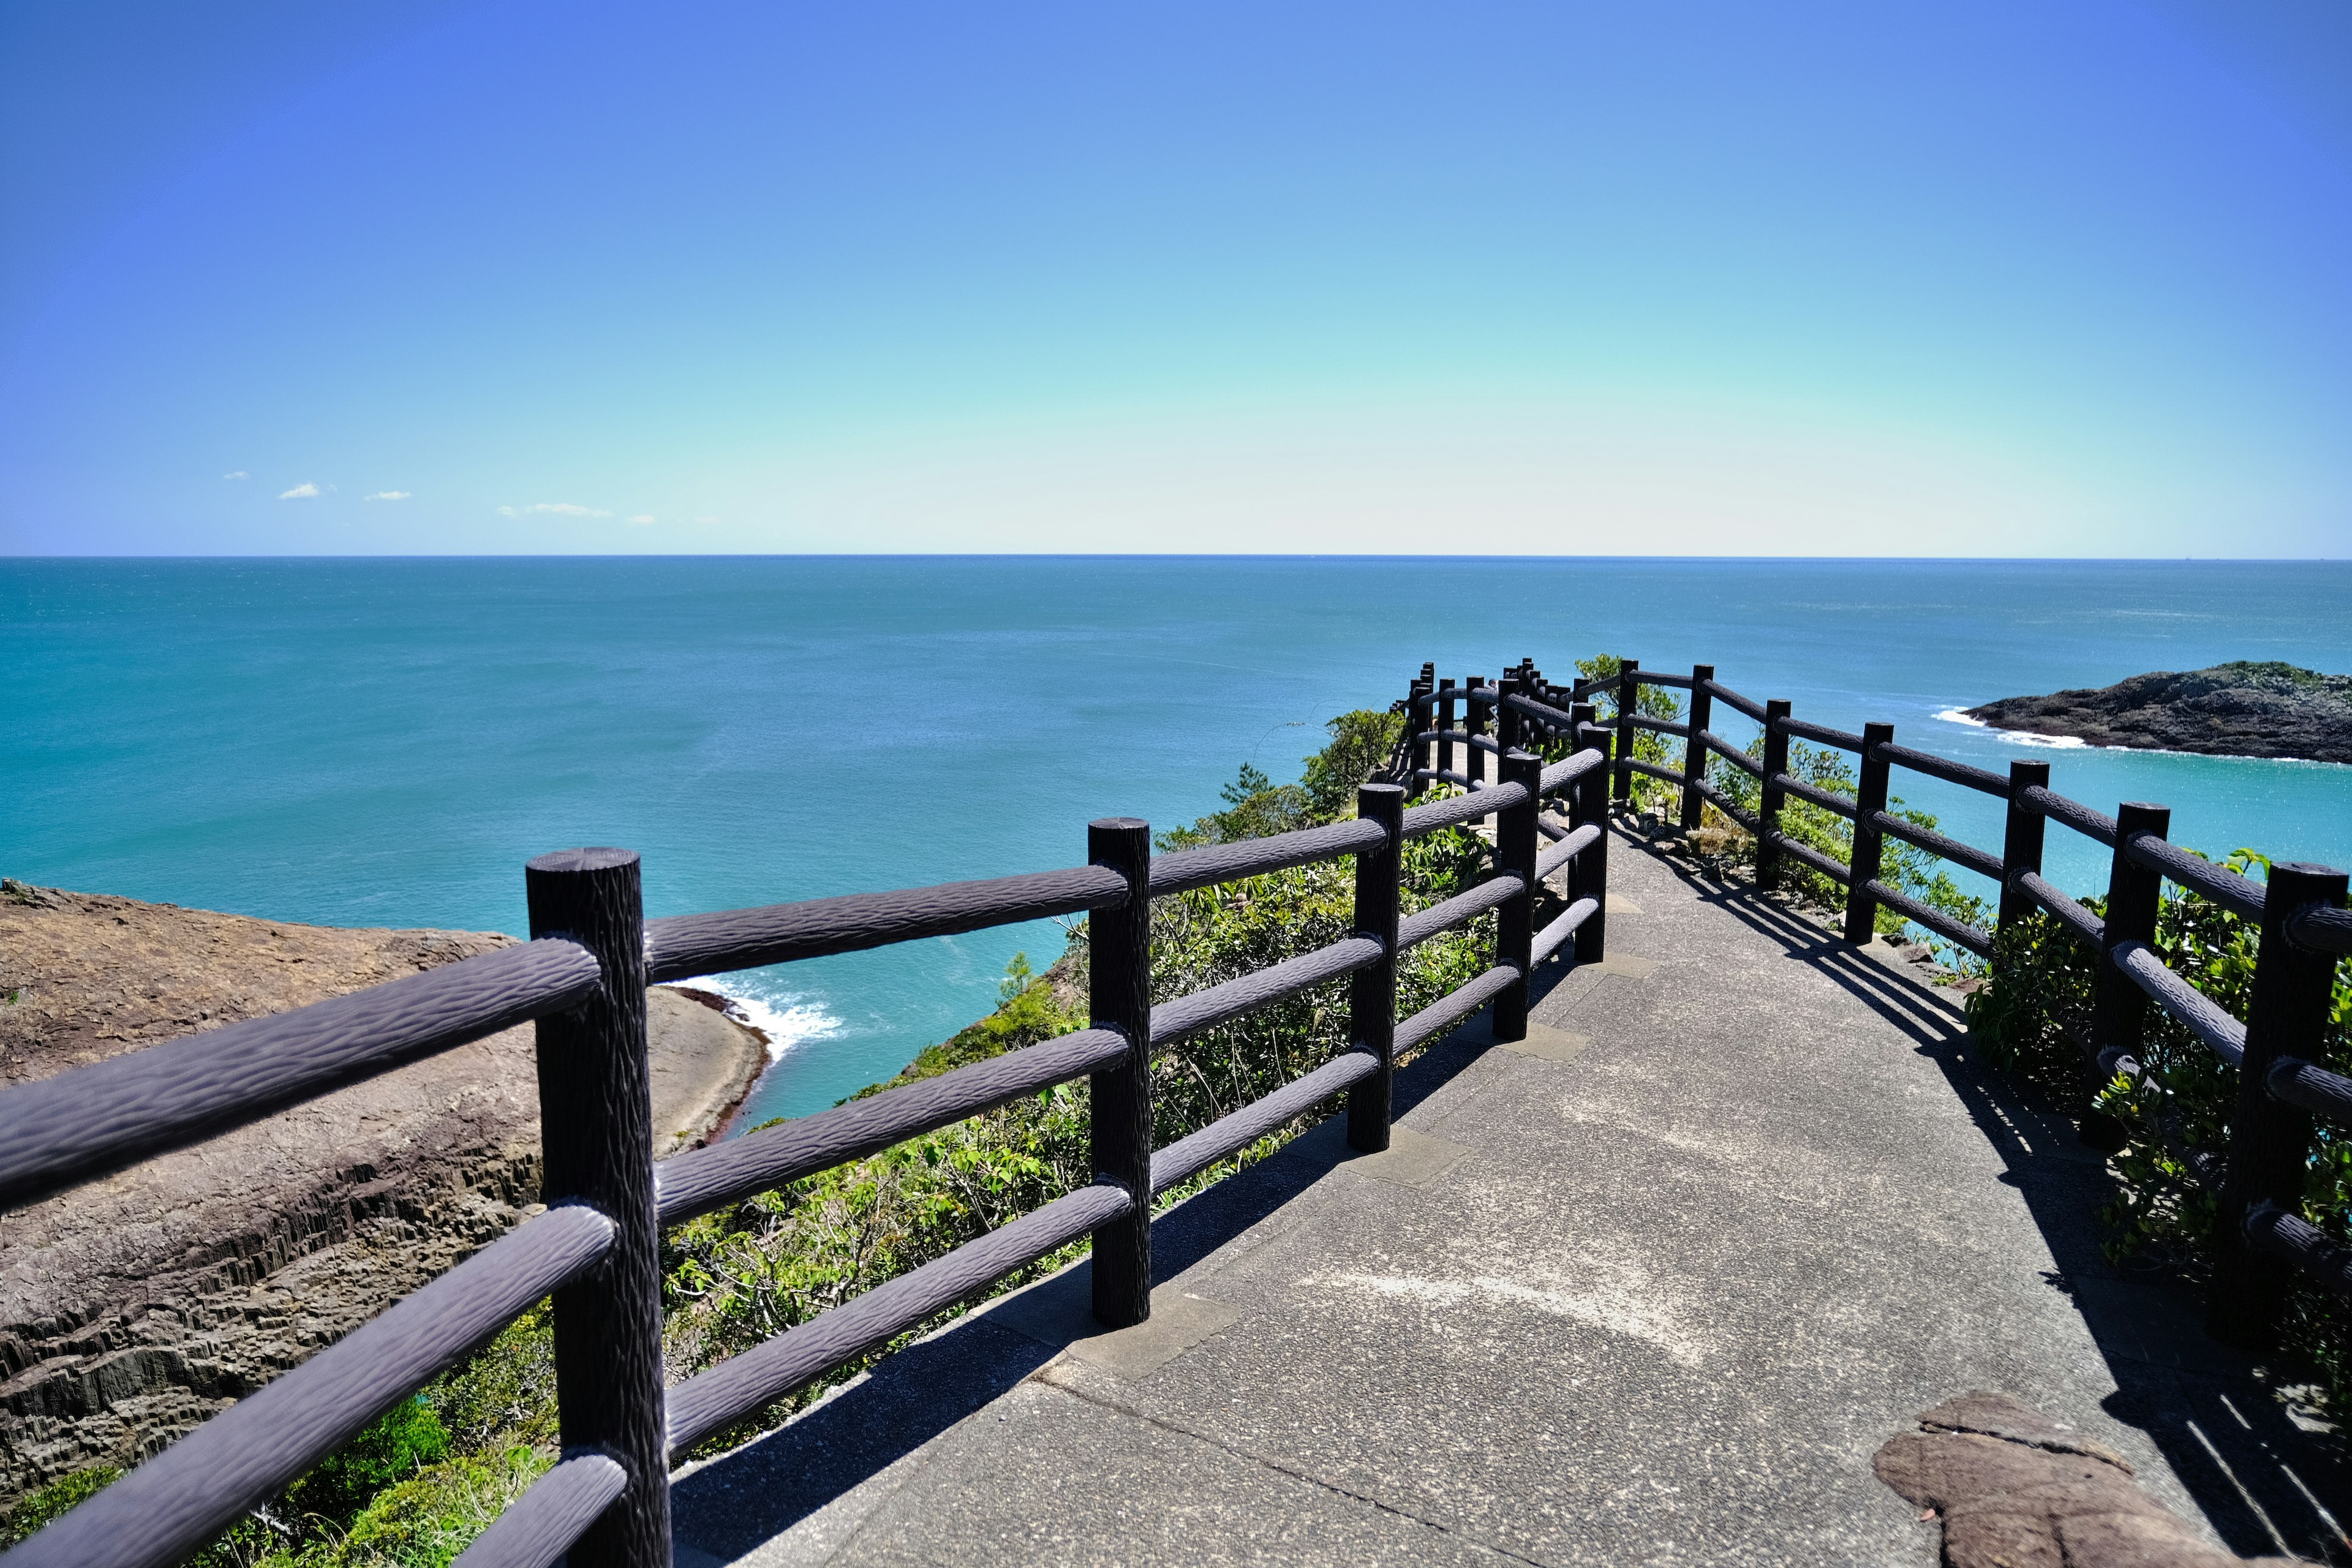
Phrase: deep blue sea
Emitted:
{"points": [[385, 742]]}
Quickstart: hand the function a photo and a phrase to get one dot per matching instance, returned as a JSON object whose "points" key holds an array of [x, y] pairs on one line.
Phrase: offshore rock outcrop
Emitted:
{"points": [[134, 1306], [2244, 710]]}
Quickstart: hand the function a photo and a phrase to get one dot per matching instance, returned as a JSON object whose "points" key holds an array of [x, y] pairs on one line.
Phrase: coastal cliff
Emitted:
{"points": [[134, 1306], [2243, 710]]}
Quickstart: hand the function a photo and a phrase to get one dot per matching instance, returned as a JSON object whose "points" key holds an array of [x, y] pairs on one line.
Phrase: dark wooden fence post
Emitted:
{"points": [[1869, 845], [1506, 718], [596, 1140], [1694, 754], [1418, 714], [2119, 1008], [1119, 996], [1587, 802], [1446, 725], [1629, 700], [2270, 1140], [2020, 843], [1371, 991], [1772, 798], [1515, 918], [1474, 722]]}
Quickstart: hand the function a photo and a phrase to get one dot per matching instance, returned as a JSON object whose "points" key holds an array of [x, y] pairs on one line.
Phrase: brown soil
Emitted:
{"points": [[132, 1307]]}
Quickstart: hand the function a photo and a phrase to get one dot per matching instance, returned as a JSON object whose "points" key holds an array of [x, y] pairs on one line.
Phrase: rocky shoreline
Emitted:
{"points": [[2239, 710], [133, 1306]]}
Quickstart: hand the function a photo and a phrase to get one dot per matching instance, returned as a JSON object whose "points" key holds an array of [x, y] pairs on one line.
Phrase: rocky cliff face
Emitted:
{"points": [[134, 1306], [2244, 710]]}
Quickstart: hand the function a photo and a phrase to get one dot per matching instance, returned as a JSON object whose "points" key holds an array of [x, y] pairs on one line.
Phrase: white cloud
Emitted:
{"points": [[558, 507], [240, 474], [642, 519], [391, 495], [303, 491]]}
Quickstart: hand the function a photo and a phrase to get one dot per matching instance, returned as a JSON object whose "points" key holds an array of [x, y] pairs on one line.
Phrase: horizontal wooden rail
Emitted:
{"points": [[1185, 870], [1228, 1000], [1571, 844], [1659, 726], [2087, 927], [1651, 677], [1454, 1006], [1736, 755], [1548, 941], [704, 1179], [2072, 814], [1558, 776], [1977, 860], [1726, 804], [1942, 768], [539, 1527], [1843, 739], [1430, 815], [711, 1400], [1654, 770], [2303, 1244], [684, 946], [1190, 1155], [2323, 929], [1953, 931], [2312, 1087], [1747, 705], [1803, 789], [1827, 865], [88, 1121], [2222, 1034], [2242, 895], [1462, 908], [165, 1508], [1558, 718]]}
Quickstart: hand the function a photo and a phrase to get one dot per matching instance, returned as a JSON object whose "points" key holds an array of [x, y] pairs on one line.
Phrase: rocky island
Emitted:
{"points": [[135, 1305], [2243, 709]]}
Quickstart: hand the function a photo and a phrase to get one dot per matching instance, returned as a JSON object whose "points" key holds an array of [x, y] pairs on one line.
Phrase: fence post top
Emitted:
{"points": [[1376, 789], [2028, 771], [1119, 825], [1875, 733], [561, 860], [2306, 871]]}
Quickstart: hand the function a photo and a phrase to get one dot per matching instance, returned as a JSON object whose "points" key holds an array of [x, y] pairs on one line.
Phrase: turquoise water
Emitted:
{"points": [[384, 742]]}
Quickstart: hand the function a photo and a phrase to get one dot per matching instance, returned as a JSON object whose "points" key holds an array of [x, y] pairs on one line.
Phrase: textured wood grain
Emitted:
{"points": [[1975, 938], [2242, 895], [1747, 705], [540, 1526], [1558, 776], [1188, 869], [1983, 862], [1561, 928], [1451, 1008], [1819, 734], [1944, 768], [2303, 1244], [595, 1100], [175, 1502], [2329, 931], [1480, 802], [1569, 845], [2073, 813], [1195, 1152], [683, 946], [2086, 926], [1118, 993], [1372, 991], [91, 1119], [1420, 926], [1188, 1015], [704, 1179], [712, 1400]]}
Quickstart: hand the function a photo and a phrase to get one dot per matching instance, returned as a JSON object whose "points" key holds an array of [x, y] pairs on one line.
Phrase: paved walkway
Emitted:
{"points": [[1652, 1287]]}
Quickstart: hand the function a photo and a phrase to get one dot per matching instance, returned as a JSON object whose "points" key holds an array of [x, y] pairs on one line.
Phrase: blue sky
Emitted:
{"points": [[2033, 278]]}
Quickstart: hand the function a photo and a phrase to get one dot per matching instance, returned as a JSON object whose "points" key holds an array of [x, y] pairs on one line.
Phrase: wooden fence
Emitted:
{"points": [[582, 978], [2258, 1180]]}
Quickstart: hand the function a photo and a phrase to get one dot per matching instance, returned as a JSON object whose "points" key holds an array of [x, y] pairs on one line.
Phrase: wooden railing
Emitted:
{"points": [[582, 978], [2259, 1179]]}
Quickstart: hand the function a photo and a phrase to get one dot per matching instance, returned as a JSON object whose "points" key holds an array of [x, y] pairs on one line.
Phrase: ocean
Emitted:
{"points": [[385, 742]]}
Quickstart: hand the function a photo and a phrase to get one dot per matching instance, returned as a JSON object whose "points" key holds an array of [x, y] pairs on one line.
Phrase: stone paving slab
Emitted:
{"points": [[1649, 1287]]}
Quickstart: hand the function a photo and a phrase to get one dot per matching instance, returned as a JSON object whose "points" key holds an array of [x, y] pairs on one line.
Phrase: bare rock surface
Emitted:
{"points": [[134, 1306], [2017, 1490], [2243, 710]]}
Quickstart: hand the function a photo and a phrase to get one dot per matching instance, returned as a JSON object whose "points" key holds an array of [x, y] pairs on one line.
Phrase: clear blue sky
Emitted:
{"points": [[2044, 278]]}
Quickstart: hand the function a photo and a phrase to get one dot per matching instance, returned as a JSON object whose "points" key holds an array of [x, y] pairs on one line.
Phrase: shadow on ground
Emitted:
{"points": [[2267, 1485]]}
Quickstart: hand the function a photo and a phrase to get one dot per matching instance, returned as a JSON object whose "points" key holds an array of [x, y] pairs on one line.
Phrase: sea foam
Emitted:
{"points": [[2022, 737], [785, 1019]]}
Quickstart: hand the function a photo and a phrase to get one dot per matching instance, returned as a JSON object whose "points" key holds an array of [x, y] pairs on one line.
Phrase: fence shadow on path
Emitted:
{"points": [[731, 1504], [2267, 1485]]}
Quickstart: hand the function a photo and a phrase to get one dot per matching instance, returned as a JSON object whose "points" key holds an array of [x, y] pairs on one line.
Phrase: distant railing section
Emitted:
{"points": [[2300, 910], [583, 979]]}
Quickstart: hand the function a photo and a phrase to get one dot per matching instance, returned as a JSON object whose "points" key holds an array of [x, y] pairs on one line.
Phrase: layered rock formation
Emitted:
{"points": [[2245, 710], [132, 1307]]}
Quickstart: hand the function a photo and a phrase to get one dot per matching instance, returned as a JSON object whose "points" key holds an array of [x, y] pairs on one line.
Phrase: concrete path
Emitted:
{"points": [[1652, 1287]]}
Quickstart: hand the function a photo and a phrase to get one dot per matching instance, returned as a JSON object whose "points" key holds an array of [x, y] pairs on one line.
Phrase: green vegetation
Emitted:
{"points": [[2037, 1008]]}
